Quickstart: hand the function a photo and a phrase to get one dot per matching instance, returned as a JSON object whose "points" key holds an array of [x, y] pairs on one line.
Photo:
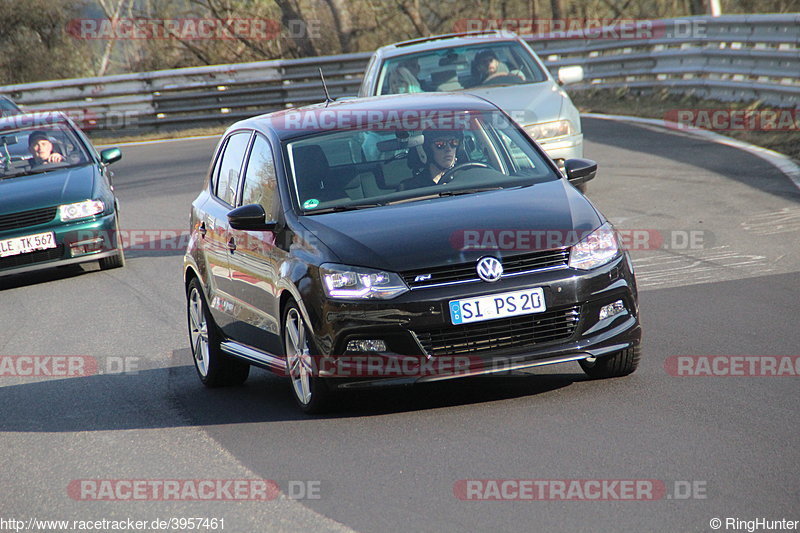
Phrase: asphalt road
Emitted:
{"points": [[389, 460]]}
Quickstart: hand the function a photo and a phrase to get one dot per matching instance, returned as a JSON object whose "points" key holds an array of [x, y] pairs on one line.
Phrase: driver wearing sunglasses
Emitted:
{"points": [[438, 155]]}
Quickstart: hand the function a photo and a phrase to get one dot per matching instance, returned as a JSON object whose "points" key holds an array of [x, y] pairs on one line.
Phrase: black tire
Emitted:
{"points": [[214, 367], [610, 366], [313, 395], [117, 260]]}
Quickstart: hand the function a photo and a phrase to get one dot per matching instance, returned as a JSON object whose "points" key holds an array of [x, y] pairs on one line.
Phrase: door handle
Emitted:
{"points": [[232, 244], [202, 229]]}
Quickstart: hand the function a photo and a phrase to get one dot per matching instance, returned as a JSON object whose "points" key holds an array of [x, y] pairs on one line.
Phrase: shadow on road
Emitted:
{"points": [[43, 276], [173, 397]]}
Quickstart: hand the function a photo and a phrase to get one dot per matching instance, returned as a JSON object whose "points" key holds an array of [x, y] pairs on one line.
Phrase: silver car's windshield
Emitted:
{"points": [[462, 67], [39, 148], [464, 153]]}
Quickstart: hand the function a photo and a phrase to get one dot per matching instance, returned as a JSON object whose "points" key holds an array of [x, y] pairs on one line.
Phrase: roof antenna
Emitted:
{"points": [[328, 98]]}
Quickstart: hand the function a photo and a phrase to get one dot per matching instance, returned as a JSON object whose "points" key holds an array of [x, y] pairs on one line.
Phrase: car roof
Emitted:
{"points": [[449, 40], [388, 107], [28, 120]]}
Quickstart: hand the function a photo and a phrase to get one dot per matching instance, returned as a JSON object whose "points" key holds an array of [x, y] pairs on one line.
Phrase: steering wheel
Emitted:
{"points": [[448, 177]]}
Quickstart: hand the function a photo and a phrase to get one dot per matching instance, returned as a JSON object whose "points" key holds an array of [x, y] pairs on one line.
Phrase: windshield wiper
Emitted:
{"points": [[441, 194], [340, 208], [25, 173], [457, 192]]}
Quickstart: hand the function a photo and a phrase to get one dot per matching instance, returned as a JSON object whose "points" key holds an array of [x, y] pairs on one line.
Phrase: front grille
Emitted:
{"points": [[513, 264], [23, 219], [512, 332], [32, 257]]}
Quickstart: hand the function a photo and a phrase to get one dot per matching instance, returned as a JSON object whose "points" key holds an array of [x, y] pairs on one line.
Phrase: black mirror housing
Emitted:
{"points": [[580, 171], [251, 217], [110, 155]]}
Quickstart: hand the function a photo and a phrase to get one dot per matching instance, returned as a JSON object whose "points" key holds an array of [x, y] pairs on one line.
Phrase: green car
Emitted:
{"points": [[57, 204]]}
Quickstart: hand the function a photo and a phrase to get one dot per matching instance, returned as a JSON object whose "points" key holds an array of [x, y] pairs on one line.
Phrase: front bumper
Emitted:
{"points": [[77, 242], [423, 345]]}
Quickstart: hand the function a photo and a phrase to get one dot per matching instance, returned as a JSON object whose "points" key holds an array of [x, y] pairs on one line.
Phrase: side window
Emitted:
{"points": [[260, 183], [217, 163], [521, 159], [474, 148], [231, 164]]}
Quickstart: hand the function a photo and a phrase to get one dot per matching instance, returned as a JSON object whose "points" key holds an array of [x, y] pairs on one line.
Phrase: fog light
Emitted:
{"points": [[366, 345], [612, 309], [86, 247]]}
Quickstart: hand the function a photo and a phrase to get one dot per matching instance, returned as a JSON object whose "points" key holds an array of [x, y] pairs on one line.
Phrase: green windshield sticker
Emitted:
{"points": [[310, 204]]}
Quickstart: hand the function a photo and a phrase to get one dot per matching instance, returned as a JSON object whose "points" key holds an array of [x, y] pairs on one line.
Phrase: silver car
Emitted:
{"points": [[498, 66]]}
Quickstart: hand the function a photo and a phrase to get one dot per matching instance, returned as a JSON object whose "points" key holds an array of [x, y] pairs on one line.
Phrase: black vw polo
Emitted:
{"points": [[399, 239]]}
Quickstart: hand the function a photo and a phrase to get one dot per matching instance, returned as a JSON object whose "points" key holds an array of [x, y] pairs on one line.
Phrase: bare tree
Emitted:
{"points": [[344, 23]]}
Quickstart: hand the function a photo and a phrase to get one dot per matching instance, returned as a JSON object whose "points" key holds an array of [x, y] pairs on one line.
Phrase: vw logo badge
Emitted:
{"points": [[490, 269]]}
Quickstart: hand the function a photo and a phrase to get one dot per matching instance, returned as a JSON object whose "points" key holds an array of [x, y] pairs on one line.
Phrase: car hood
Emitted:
{"points": [[530, 103], [61, 186], [433, 232]]}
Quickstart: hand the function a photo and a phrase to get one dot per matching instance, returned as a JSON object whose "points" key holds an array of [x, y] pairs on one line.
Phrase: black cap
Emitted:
{"points": [[37, 136]]}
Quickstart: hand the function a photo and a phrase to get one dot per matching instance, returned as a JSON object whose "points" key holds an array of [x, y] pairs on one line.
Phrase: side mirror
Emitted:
{"points": [[572, 74], [110, 155], [250, 217], [580, 170]]}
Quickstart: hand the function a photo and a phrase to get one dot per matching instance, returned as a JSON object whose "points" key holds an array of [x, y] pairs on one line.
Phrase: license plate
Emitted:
{"points": [[501, 305], [27, 244]]}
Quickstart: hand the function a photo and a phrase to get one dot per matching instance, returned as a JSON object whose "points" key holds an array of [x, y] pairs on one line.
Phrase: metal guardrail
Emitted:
{"points": [[748, 57], [729, 58]]}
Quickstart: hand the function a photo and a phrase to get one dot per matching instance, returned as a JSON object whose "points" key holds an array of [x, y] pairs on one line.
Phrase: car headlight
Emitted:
{"points": [[549, 130], [85, 209], [355, 283], [598, 248]]}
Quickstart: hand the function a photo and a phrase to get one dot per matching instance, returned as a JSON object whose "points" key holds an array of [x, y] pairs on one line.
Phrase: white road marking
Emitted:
{"points": [[785, 220], [719, 263]]}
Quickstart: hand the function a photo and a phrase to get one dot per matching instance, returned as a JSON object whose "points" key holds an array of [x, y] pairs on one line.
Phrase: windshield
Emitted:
{"points": [[463, 67], [8, 108], [467, 152], [40, 148]]}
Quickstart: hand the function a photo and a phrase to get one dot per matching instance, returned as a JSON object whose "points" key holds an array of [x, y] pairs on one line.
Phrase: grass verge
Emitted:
{"points": [[659, 104], [108, 138]]}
